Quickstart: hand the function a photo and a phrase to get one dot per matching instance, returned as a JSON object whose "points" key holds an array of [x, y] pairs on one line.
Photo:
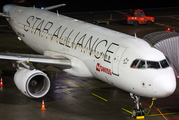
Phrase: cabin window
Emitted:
{"points": [[87, 49], [91, 51], [47, 35], [71, 44], [37, 31], [74, 44], [98, 53], [41, 33], [109, 58], [94, 52], [105, 57]]}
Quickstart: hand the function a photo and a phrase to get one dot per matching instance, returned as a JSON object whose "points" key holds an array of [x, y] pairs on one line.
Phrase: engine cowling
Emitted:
{"points": [[32, 83]]}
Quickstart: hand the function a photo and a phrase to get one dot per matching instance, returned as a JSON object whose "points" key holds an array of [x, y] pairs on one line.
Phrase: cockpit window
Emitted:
{"points": [[141, 64], [164, 63], [151, 64], [134, 64]]}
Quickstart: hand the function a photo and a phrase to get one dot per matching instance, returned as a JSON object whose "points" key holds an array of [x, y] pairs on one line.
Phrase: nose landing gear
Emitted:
{"points": [[138, 111]]}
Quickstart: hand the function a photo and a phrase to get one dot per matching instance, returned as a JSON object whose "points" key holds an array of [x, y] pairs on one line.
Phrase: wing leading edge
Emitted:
{"points": [[60, 61]]}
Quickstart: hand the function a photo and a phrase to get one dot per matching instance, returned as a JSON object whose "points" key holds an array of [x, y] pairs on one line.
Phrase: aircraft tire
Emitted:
{"points": [[134, 112]]}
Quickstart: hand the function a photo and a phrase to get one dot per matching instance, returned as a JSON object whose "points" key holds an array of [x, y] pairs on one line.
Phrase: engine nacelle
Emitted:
{"points": [[32, 83]]}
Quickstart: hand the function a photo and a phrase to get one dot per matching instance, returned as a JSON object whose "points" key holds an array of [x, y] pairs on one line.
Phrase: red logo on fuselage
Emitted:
{"points": [[100, 68]]}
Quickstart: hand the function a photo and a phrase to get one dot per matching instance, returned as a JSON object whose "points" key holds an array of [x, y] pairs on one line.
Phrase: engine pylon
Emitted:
{"points": [[1, 82], [43, 105]]}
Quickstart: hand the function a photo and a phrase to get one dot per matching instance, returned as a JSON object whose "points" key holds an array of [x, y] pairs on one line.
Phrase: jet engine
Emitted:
{"points": [[32, 83]]}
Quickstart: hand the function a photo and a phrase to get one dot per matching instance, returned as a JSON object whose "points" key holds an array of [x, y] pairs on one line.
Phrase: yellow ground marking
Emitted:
{"points": [[151, 114], [99, 97], [163, 114], [7, 51], [72, 83], [126, 110]]}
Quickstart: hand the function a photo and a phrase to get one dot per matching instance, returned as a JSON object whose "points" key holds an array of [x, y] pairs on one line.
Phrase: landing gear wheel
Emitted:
{"points": [[138, 111], [134, 112]]}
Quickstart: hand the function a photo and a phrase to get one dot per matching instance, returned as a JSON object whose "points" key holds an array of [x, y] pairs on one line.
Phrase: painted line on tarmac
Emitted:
{"points": [[152, 115], [72, 83], [126, 110], [168, 100], [163, 114], [176, 118], [99, 97], [172, 108]]}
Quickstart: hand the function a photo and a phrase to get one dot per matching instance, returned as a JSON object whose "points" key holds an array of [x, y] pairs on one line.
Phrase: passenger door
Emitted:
{"points": [[116, 60]]}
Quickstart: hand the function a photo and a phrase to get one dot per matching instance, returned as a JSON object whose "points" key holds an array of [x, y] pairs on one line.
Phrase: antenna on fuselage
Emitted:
{"points": [[135, 35], [57, 13]]}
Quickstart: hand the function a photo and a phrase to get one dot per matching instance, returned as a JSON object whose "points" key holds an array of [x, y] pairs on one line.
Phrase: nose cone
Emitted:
{"points": [[164, 85]]}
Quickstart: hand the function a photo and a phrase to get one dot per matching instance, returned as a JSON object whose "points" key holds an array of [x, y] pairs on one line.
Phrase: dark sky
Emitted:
{"points": [[99, 5]]}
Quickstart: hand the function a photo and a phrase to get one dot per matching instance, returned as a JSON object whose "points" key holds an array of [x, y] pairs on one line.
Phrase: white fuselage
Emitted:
{"points": [[94, 51]]}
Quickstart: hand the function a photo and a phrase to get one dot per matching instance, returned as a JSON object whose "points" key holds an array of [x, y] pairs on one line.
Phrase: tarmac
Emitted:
{"points": [[75, 98]]}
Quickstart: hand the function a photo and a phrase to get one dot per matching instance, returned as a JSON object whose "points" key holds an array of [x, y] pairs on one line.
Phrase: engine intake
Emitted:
{"points": [[32, 83]]}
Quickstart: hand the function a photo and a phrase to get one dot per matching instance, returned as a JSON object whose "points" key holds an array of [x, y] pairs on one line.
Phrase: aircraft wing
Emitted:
{"points": [[4, 15], [53, 7], [60, 61]]}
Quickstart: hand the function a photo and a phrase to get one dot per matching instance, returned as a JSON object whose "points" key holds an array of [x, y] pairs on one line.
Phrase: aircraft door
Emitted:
{"points": [[116, 60]]}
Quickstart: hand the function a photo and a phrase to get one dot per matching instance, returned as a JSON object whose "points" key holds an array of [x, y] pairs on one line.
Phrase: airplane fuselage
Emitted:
{"points": [[94, 51]]}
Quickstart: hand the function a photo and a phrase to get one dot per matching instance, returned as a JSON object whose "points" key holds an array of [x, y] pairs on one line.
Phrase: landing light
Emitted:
{"points": [[19, 38], [42, 8]]}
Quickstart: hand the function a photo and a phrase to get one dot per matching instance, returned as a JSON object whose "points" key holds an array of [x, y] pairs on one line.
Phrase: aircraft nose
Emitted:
{"points": [[164, 85], [6, 8]]}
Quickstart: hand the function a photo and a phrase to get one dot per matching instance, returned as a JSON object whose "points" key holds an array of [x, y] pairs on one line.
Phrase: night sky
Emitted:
{"points": [[99, 5]]}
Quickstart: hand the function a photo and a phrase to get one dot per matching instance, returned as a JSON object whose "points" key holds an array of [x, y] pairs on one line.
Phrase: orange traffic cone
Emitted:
{"points": [[1, 83], [43, 105]]}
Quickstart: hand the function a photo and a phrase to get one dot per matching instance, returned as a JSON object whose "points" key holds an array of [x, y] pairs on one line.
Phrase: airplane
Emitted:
{"points": [[85, 50]]}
